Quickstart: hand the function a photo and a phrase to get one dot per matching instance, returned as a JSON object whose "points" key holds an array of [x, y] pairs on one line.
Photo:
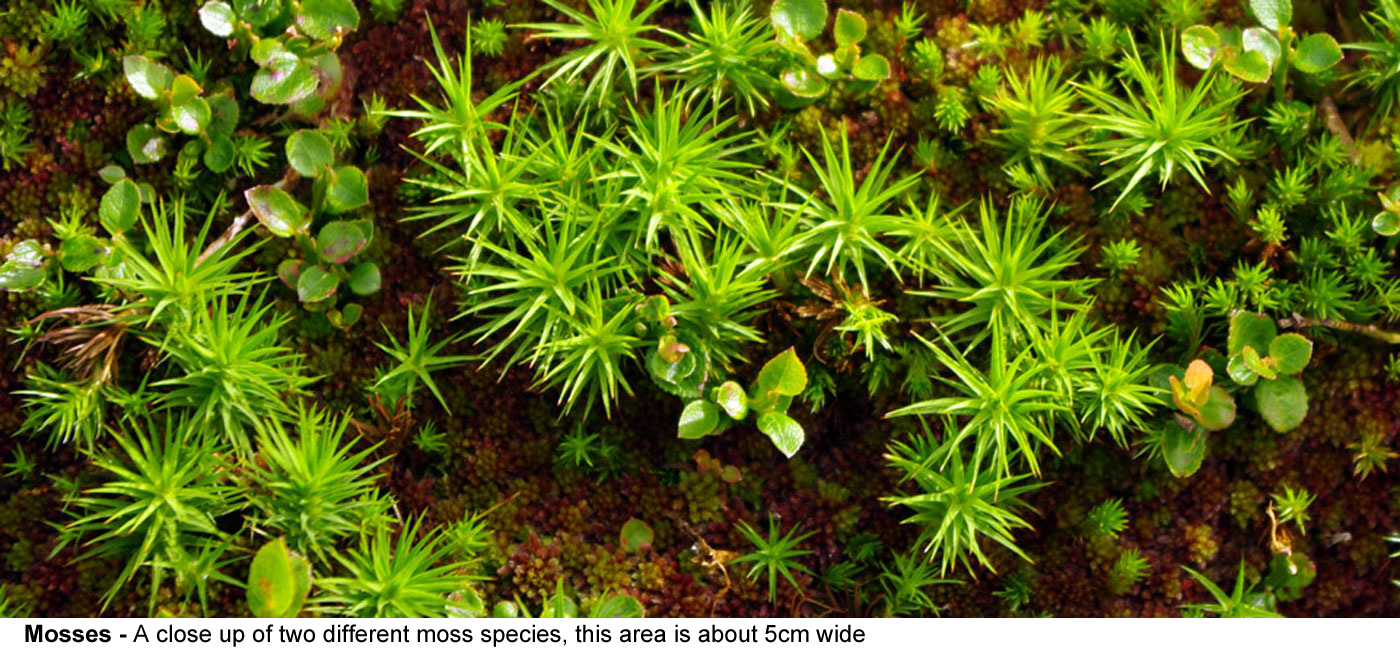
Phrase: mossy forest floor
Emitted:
{"points": [[555, 521]]}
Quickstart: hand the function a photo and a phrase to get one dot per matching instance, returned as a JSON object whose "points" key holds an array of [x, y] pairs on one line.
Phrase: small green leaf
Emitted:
{"points": [[220, 154], [223, 114], [283, 79], [145, 144], [1258, 40], [111, 173], [24, 267], [272, 581], [1240, 371], [1218, 413], [1386, 223], [785, 432], [191, 116], [1283, 402], [344, 318], [802, 83], [1256, 363], [1199, 43], [636, 536], [120, 206], [1246, 66], [1250, 329], [78, 254], [849, 28], [505, 609], [364, 278], [619, 606], [217, 17], [316, 284], [290, 271], [183, 88], [320, 19], [872, 67], [259, 12], [339, 241], [730, 397], [309, 152], [346, 190], [699, 418], [803, 19], [1316, 52], [784, 374], [148, 78], [1273, 14], [277, 210], [1291, 353], [559, 606], [1183, 449]]}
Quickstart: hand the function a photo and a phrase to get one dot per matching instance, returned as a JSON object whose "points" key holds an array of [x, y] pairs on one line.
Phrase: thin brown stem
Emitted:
{"points": [[289, 179], [1298, 321]]}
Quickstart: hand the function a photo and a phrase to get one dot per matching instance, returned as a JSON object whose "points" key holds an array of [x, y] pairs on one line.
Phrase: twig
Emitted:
{"points": [[1338, 128], [288, 180], [1299, 321]]}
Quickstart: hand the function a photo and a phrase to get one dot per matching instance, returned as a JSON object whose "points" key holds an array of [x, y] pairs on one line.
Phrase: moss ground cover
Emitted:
{"points": [[615, 307]]}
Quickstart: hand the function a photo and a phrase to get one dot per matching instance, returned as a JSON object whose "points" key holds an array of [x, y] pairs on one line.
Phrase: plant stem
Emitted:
{"points": [[1298, 321], [288, 180]]}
